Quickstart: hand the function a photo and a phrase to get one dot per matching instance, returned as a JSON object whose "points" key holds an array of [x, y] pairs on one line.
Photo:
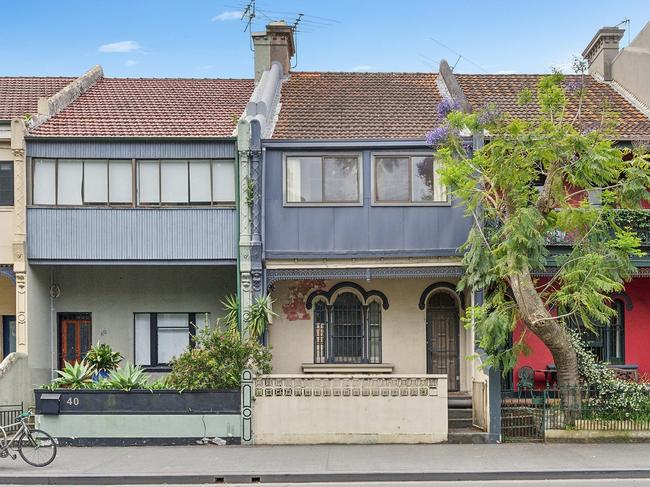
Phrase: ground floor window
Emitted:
{"points": [[347, 331], [607, 342], [8, 335], [161, 336]]}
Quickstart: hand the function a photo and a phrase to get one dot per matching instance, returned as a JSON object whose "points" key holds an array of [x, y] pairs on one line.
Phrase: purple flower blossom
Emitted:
{"points": [[437, 135], [574, 86], [446, 106], [489, 114]]}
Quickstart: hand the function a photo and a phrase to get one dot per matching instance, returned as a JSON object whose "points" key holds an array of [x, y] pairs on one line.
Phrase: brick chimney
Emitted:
{"points": [[273, 45], [602, 50]]}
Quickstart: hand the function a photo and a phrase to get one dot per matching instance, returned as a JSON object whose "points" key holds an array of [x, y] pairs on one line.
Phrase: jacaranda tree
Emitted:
{"points": [[531, 181]]}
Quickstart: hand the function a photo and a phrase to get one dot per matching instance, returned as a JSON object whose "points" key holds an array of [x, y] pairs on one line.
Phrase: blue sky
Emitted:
{"points": [[201, 38]]}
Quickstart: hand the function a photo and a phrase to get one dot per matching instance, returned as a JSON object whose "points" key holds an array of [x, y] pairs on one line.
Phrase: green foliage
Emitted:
{"points": [[250, 191], [531, 181], [258, 315], [74, 376], [218, 361], [231, 305], [127, 378], [614, 398], [101, 357]]}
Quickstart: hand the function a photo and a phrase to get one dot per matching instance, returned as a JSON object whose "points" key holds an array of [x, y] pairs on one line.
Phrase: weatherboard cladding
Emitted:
{"points": [[131, 234], [131, 149]]}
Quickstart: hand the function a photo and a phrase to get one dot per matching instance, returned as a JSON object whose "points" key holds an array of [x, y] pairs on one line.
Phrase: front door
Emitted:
{"points": [[443, 328], [8, 335], [75, 337]]}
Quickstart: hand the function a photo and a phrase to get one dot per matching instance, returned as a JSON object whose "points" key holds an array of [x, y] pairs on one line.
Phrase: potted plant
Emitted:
{"points": [[102, 360]]}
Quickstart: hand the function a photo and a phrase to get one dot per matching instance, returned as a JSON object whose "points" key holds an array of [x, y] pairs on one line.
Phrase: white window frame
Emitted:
{"points": [[357, 155], [397, 154]]}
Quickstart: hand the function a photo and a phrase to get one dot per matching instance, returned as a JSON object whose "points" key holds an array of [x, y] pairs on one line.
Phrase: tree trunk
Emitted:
{"points": [[538, 319]]}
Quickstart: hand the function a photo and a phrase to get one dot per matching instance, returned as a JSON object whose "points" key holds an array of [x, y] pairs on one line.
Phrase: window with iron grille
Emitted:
{"points": [[347, 331]]}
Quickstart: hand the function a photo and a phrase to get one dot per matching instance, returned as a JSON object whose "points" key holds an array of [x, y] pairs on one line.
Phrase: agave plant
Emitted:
{"points": [[102, 359], [259, 315], [74, 376], [231, 305], [127, 378]]}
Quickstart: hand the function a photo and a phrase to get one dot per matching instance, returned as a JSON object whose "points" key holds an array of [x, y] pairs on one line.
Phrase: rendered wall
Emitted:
{"points": [[306, 409], [631, 67], [112, 294], [403, 327], [14, 380]]}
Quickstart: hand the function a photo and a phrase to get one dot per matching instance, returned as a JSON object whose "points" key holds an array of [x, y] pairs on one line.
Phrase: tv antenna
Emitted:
{"points": [[249, 13], [626, 23]]}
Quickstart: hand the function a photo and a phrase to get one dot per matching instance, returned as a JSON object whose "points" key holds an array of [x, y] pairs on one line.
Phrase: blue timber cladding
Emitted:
{"points": [[355, 231], [130, 149], [131, 234]]}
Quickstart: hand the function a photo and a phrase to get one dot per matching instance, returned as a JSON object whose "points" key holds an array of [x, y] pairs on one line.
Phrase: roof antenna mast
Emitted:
{"points": [[625, 22], [294, 29], [249, 13]]}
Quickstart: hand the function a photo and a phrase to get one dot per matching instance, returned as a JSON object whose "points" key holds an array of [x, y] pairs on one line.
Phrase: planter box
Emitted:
{"points": [[142, 401], [139, 417]]}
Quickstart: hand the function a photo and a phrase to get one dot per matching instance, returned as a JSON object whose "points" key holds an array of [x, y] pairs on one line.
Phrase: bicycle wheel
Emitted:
{"points": [[37, 448]]}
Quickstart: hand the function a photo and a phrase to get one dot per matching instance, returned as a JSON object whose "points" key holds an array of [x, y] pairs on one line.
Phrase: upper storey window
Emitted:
{"points": [[407, 179], [327, 180], [6, 183], [76, 182]]}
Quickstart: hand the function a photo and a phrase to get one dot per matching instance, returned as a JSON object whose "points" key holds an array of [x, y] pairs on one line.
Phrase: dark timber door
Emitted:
{"points": [[75, 337], [442, 338]]}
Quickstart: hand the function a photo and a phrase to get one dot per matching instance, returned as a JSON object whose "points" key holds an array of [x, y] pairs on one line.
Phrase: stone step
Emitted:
{"points": [[460, 413], [459, 423], [459, 402], [467, 436]]}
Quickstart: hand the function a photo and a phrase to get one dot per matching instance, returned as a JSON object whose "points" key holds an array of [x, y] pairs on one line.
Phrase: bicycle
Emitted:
{"points": [[34, 446]]}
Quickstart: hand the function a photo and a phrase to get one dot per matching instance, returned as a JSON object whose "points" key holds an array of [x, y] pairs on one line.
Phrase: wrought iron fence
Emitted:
{"points": [[526, 414], [8, 415]]}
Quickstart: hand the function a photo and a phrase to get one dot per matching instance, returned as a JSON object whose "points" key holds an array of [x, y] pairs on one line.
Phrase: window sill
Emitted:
{"points": [[347, 368], [162, 369]]}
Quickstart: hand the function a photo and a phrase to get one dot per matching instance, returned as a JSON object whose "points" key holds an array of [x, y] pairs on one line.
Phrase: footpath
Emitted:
{"points": [[332, 463]]}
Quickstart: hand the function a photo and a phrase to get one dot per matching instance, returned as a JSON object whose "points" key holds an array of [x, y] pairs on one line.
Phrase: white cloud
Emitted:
{"points": [[566, 68], [122, 46], [506, 71], [362, 67], [130, 62], [229, 15]]}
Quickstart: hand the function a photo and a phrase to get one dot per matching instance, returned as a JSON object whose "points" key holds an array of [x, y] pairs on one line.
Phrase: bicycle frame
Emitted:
{"points": [[7, 444]]}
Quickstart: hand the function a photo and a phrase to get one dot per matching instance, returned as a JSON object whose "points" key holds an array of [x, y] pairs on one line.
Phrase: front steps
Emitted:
{"points": [[459, 423]]}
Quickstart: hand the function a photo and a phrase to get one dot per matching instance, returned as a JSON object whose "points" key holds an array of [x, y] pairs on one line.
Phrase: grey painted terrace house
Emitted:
{"points": [[131, 218]]}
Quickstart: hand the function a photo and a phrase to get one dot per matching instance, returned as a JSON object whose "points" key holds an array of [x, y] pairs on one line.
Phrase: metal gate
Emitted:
{"points": [[522, 415], [443, 328]]}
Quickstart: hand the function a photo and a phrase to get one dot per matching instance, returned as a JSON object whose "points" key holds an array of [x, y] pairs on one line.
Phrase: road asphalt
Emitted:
{"points": [[334, 463]]}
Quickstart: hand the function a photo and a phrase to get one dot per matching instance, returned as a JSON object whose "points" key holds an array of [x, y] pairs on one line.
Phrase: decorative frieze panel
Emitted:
{"points": [[394, 386]]}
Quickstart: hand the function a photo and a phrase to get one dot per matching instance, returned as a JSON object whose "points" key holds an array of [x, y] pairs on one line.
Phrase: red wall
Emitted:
{"points": [[637, 335]]}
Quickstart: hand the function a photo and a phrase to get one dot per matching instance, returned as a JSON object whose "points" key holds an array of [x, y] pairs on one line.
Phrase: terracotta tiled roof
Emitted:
{"points": [[19, 95], [153, 107], [322, 105], [503, 90]]}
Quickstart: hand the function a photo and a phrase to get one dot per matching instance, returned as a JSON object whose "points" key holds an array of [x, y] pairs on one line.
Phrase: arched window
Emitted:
{"points": [[347, 329]]}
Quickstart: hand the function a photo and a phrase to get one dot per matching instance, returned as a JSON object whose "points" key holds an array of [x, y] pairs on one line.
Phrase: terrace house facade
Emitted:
{"points": [[131, 219]]}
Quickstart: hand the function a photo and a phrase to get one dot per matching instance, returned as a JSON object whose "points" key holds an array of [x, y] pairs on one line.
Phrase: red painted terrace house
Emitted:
{"points": [[626, 343]]}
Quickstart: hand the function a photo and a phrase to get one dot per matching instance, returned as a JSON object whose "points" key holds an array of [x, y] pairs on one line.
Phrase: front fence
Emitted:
{"points": [[337, 408], [8, 415], [528, 414]]}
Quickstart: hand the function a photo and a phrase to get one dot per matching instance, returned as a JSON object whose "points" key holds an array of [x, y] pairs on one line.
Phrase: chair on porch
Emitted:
{"points": [[526, 382]]}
